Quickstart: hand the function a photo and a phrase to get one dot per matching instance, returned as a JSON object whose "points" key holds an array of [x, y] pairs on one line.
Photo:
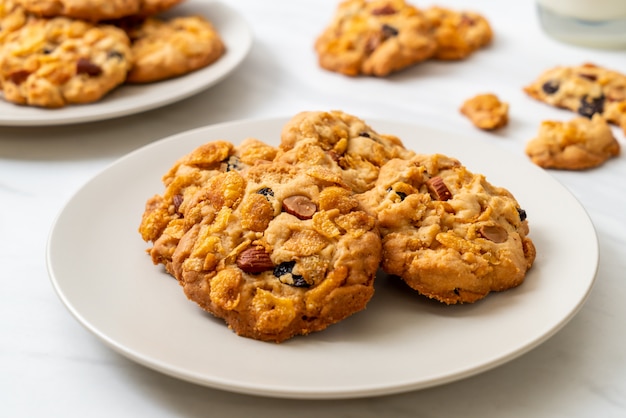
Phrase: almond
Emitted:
{"points": [[254, 260]]}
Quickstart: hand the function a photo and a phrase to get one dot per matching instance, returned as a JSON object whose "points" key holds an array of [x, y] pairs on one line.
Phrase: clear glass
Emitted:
{"points": [[590, 23]]}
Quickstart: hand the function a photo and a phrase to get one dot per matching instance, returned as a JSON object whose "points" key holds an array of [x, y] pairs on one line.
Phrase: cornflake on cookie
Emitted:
{"points": [[486, 111], [575, 145]]}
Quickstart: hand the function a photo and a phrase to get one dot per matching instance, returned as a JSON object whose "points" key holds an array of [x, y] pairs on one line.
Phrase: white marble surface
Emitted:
{"points": [[50, 366]]}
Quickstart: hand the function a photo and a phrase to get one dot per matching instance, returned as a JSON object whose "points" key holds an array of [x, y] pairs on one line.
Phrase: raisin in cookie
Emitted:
{"points": [[90, 10], [275, 251], [163, 223], [374, 38], [585, 89], [341, 142], [60, 61], [165, 49], [486, 111], [457, 34], [575, 145], [448, 233]]}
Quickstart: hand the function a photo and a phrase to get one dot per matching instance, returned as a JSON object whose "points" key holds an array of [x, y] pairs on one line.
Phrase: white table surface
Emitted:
{"points": [[50, 366]]}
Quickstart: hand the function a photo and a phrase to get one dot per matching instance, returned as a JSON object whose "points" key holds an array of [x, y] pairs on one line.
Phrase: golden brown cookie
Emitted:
{"points": [[90, 10], [449, 233], [575, 145], [486, 111], [340, 142], [60, 61], [457, 33], [275, 251], [162, 222], [585, 89], [375, 38], [165, 49]]}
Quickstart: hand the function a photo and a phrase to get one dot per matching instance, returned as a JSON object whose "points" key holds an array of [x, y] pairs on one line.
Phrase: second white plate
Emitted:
{"points": [[99, 268], [129, 99]]}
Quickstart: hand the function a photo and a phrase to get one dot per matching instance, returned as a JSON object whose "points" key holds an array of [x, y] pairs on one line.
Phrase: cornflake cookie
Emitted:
{"points": [[585, 89], [55, 62], [575, 145], [342, 143], [374, 38], [457, 33], [90, 10], [165, 49], [276, 250], [162, 222], [486, 111], [449, 233]]}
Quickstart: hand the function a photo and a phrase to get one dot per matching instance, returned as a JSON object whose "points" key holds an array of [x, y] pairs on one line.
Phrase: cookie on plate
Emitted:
{"points": [[574, 145], [276, 251], [162, 222], [56, 62], [457, 33], [90, 10], [164, 49], [449, 233], [585, 89], [341, 142], [375, 38], [486, 111]]}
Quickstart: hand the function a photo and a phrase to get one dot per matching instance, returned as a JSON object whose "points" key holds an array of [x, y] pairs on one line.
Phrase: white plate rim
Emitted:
{"points": [[129, 99], [362, 389]]}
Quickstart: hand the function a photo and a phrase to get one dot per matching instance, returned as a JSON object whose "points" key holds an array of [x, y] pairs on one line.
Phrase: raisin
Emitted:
{"points": [[284, 268], [401, 195], [522, 214], [232, 163], [84, 66], [551, 87], [456, 291], [47, 50], [589, 107], [389, 31], [115, 54], [365, 134], [266, 191]]}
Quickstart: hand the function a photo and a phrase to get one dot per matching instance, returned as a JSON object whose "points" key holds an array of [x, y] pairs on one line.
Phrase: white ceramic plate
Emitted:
{"points": [[130, 99], [401, 342]]}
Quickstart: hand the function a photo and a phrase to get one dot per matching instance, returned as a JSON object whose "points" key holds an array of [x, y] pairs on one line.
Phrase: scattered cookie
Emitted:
{"points": [[486, 111], [579, 144], [457, 34], [374, 38], [162, 222], [164, 49], [449, 233], [89, 10], [54, 62], [342, 143], [585, 89]]}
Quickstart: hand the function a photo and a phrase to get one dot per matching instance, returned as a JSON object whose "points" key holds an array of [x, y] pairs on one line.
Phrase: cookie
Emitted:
{"points": [[149, 8], [275, 251], [574, 145], [341, 142], [164, 49], [458, 34], [374, 38], [585, 89], [486, 111], [90, 10], [447, 232], [162, 222], [56, 62]]}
